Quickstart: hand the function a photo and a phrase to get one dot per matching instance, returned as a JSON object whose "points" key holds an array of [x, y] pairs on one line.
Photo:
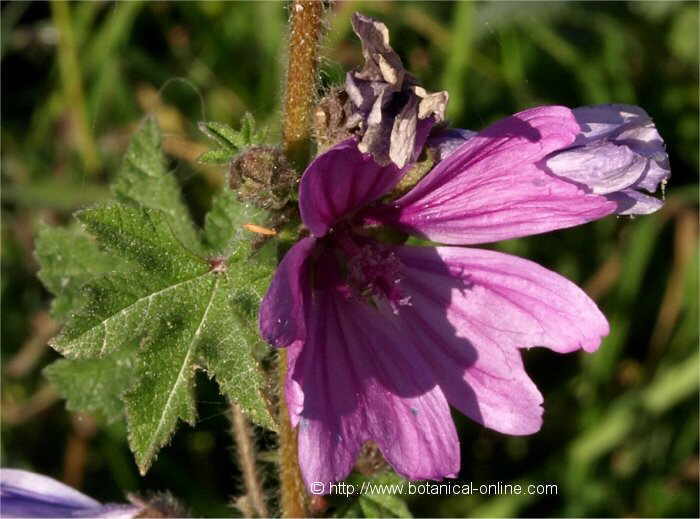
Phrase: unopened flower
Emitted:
{"points": [[26, 494], [382, 337], [618, 153]]}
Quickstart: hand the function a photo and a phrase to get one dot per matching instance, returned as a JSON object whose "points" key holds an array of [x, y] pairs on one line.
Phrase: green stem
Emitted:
{"points": [[72, 85]]}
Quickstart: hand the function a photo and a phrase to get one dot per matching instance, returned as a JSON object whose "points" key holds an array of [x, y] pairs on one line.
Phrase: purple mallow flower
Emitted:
{"points": [[382, 337], [25, 494], [618, 153]]}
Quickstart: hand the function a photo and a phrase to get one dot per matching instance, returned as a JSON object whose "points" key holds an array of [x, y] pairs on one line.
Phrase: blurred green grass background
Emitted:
{"points": [[621, 426]]}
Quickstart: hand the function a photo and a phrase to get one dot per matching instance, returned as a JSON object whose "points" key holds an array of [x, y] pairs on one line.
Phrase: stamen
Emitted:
{"points": [[372, 272]]}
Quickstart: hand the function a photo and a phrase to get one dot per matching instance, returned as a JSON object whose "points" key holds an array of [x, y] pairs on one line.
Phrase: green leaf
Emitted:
{"points": [[120, 303], [179, 312], [383, 505], [376, 496], [226, 356], [223, 135], [164, 393], [230, 141], [69, 258], [144, 238], [145, 180], [95, 385], [382, 498], [220, 156], [351, 509], [223, 228]]}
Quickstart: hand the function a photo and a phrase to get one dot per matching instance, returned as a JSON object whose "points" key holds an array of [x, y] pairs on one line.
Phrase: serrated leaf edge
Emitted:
{"points": [[68, 350], [181, 377]]}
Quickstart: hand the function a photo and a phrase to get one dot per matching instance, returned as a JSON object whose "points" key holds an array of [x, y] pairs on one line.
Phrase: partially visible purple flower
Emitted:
{"points": [[382, 338], [618, 153], [26, 494]]}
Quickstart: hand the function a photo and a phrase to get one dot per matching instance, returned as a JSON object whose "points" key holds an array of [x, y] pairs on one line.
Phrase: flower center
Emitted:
{"points": [[370, 272]]}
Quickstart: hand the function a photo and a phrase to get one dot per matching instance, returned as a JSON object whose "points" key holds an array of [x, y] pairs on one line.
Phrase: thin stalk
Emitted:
{"points": [[306, 17], [294, 500], [245, 448], [306, 27], [73, 86]]}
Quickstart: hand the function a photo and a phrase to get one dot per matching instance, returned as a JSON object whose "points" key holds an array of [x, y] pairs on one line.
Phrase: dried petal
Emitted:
{"points": [[389, 111]]}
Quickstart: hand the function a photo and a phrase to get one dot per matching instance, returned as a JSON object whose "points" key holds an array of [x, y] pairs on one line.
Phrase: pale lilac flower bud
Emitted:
{"points": [[618, 154]]}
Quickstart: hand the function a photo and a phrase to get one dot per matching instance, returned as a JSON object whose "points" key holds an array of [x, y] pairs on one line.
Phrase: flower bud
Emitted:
{"points": [[263, 177]]}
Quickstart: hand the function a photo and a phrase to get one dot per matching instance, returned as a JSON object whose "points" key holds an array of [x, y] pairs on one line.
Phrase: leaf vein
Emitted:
{"points": [[185, 363], [132, 306]]}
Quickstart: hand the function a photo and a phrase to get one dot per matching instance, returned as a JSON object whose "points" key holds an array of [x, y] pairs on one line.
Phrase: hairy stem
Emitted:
{"points": [[306, 27], [73, 85], [306, 22], [294, 501], [246, 460]]}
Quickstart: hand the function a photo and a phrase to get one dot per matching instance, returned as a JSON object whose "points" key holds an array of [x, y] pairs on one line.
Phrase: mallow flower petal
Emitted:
{"points": [[472, 310], [387, 396], [657, 173], [630, 202], [619, 122], [485, 380], [499, 396], [293, 392], [494, 186], [340, 181], [331, 420], [282, 310], [409, 417], [26, 494], [491, 298], [603, 167]]}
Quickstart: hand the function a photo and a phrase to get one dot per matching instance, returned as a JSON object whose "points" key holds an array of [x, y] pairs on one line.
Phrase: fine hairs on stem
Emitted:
{"points": [[245, 448], [305, 31]]}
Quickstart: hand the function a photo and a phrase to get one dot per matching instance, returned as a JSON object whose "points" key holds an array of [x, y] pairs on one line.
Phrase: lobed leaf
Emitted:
{"points": [[119, 305], [178, 313], [145, 309], [226, 355], [95, 385], [144, 179], [69, 258], [164, 392]]}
